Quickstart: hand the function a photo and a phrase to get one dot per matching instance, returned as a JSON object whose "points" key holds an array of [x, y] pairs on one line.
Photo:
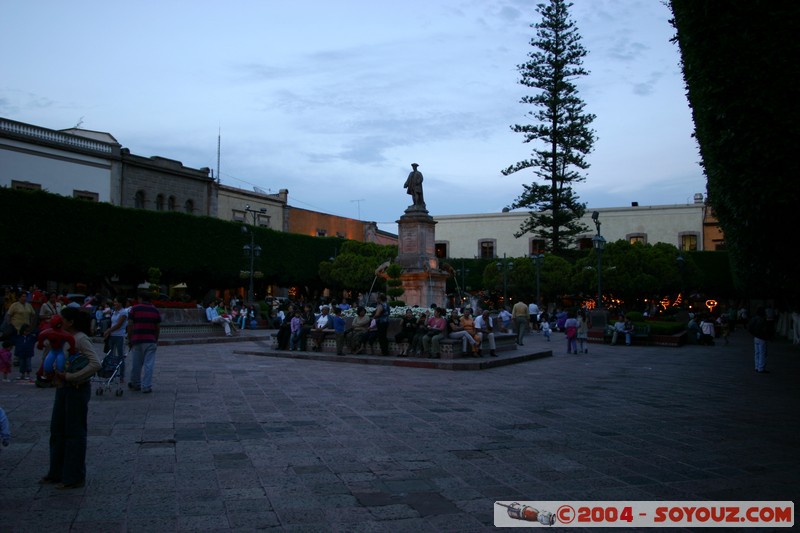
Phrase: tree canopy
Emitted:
{"points": [[739, 63], [560, 129]]}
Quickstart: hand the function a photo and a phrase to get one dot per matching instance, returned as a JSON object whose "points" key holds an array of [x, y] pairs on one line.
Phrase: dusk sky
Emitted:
{"points": [[334, 100]]}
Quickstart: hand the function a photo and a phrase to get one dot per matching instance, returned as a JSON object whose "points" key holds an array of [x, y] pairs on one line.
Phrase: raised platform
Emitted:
{"points": [[465, 363]]}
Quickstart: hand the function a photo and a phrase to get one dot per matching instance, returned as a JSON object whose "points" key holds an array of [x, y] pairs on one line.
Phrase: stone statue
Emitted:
{"points": [[413, 186]]}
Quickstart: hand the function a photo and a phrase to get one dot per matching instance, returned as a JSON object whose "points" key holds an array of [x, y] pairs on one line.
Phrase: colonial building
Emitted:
{"points": [[92, 165], [491, 235]]}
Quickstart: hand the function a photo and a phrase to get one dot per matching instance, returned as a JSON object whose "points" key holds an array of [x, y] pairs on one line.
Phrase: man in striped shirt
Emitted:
{"points": [[145, 325]]}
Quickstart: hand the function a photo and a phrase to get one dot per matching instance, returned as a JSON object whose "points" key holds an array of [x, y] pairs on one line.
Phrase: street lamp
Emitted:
{"points": [[599, 243], [504, 266], [537, 259], [464, 273], [253, 250]]}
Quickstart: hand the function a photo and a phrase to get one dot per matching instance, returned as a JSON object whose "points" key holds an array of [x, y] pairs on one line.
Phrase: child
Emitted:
{"points": [[56, 337], [546, 330], [297, 325], [23, 349], [5, 359]]}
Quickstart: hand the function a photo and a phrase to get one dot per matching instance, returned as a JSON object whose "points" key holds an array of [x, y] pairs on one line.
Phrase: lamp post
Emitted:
{"points": [[464, 272], [537, 259], [504, 266], [253, 250], [599, 243]]}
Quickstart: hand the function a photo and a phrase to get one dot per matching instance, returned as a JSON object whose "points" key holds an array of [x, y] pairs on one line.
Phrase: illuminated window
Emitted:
{"points": [[641, 238], [440, 248], [688, 242]]}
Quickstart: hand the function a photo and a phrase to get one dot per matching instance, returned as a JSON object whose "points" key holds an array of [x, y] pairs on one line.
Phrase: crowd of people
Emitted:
{"points": [[62, 329]]}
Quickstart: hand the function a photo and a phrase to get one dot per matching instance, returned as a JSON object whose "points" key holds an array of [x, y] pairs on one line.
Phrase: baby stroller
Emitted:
{"points": [[110, 374]]}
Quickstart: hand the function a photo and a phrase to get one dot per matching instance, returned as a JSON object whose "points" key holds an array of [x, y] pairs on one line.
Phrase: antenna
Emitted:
{"points": [[219, 144], [358, 202]]}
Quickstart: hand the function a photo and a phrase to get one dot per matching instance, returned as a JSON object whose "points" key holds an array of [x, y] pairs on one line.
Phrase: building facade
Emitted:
{"points": [[491, 235]]}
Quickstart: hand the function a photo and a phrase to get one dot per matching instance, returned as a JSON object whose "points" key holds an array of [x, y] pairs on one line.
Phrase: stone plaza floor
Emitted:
{"points": [[234, 439]]}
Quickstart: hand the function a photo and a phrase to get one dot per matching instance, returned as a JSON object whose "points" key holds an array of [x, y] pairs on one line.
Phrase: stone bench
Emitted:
{"points": [[449, 348]]}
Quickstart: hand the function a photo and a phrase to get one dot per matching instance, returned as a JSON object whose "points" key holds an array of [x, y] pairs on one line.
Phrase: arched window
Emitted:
{"points": [[138, 200], [189, 206], [160, 202], [171, 203]]}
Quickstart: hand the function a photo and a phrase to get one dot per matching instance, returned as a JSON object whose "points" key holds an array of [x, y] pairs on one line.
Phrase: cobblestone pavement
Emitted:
{"points": [[235, 440]]}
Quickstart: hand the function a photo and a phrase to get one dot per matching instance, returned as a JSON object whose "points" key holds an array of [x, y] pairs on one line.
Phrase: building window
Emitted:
{"points": [[688, 242], [188, 206], [138, 200], [440, 249], [486, 248], [263, 220], [25, 186], [321, 232], [239, 216], [536, 246], [171, 203], [633, 238], [160, 202], [86, 195]]}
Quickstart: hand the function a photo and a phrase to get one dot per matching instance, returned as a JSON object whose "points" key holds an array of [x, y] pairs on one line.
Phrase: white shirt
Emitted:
{"points": [[479, 323], [533, 309]]}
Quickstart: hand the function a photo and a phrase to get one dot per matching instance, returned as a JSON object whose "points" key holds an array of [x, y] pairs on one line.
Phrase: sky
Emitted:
{"points": [[333, 100]]}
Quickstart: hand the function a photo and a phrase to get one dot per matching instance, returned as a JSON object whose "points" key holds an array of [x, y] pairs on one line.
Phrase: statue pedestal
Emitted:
{"points": [[423, 282]]}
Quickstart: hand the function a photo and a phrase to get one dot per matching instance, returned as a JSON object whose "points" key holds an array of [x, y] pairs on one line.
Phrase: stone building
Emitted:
{"points": [[490, 235], [94, 166]]}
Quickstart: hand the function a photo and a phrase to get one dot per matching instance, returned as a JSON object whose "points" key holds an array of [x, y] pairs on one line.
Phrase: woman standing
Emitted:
{"points": [[68, 423], [116, 335]]}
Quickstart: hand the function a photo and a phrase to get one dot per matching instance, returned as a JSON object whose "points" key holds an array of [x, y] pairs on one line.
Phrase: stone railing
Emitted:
{"points": [[57, 137]]}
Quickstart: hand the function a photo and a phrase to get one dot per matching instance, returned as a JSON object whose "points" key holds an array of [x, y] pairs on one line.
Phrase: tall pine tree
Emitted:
{"points": [[560, 129]]}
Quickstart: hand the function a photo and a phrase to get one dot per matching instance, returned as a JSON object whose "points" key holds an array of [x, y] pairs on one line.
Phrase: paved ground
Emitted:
{"points": [[233, 441]]}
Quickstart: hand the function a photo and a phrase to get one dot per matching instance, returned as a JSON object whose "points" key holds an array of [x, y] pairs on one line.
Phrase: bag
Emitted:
{"points": [[76, 363], [572, 332]]}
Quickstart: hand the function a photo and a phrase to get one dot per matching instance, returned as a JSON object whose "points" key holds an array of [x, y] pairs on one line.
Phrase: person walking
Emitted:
{"points": [[143, 332], [520, 315], [533, 315], [761, 332], [69, 418]]}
